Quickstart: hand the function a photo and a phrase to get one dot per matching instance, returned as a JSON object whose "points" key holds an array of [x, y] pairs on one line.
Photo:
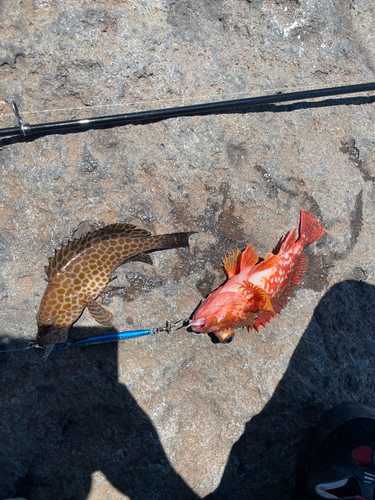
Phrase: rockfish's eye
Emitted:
{"points": [[229, 339]]}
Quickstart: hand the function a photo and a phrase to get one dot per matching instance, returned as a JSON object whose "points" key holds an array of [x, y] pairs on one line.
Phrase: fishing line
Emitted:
{"points": [[31, 345], [165, 113]]}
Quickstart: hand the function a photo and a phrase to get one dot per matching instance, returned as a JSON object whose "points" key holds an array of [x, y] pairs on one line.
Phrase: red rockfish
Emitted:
{"points": [[254, 293], [80, 271]]}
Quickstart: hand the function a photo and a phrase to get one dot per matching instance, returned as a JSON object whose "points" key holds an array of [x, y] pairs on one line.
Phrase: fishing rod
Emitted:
{"points": [[26, 129]]}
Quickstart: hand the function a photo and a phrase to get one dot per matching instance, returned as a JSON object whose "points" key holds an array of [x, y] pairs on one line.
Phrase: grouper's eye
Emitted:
{"points": [[229, 340], [51, 324]]}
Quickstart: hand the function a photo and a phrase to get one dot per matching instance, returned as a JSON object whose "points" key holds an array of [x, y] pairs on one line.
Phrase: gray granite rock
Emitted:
{"points": [[178, 416]]}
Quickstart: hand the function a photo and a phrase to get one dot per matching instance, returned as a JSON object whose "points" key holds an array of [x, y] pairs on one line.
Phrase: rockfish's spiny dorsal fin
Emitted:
{"points": [[267, 264], [249, 258], [74, 247], [231, 262], [236, 262]]}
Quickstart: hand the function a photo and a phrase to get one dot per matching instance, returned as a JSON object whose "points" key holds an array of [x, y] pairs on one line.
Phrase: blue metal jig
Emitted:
{"points": [[103, 339], [114, 337]]}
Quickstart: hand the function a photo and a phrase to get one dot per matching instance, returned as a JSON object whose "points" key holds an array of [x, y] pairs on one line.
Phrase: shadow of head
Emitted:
{"points": [[64, 418], [333, 363]]}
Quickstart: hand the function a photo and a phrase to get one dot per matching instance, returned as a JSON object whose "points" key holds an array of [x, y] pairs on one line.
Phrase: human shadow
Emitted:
{"points": [[333, 363], [63, 419]]}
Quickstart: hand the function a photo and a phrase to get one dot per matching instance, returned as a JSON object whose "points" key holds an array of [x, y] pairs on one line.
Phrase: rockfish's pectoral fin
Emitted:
{"points": [[225, 336], [101, 315], [258, 297], [231, 263]]}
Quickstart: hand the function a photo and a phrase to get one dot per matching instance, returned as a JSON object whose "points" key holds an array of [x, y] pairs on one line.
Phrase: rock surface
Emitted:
{"points": [[178, 416]]}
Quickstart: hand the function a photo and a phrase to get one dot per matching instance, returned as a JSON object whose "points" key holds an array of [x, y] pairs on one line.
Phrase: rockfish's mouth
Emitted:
{"points": [[197, 324]]}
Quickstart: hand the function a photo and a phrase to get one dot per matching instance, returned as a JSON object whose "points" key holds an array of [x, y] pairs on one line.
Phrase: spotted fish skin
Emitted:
{"points": [[80, 271], [255, 292]]}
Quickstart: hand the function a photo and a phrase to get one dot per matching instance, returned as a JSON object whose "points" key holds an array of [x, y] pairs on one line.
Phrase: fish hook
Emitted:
{"points": [[169, 327]]}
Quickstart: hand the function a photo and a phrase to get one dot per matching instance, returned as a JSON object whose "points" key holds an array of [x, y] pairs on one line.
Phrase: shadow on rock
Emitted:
{"points": [[63, 419], [333, 363]]}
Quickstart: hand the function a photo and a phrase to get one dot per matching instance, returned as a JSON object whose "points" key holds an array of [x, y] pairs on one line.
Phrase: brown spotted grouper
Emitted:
{"points": [[80, 271]]}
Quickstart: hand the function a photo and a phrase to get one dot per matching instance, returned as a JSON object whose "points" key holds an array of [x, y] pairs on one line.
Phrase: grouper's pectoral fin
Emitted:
{"points": [[101, 315]]}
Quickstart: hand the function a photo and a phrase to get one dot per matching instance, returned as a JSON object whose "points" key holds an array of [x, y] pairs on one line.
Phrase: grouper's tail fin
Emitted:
{"points": [[182, 239], [174, 240], [310, 229]]}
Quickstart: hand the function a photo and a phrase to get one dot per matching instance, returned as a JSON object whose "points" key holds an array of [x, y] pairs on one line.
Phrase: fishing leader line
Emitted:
{"points": [[103, 339], [26, 129], [30, 345]]}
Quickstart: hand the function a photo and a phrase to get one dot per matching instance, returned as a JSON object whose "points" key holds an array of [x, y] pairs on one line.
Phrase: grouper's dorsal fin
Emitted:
{"points": [[74, 247]]}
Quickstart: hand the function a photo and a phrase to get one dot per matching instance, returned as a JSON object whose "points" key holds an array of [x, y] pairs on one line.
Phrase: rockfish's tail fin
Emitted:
{"points": [[310, 229]]}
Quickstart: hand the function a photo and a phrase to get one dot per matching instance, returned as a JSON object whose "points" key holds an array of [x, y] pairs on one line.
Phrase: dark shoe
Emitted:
{"points": [[339, 460]]}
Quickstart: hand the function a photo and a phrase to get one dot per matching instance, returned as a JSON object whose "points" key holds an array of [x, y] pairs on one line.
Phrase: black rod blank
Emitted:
{"points": [[163, 114]]}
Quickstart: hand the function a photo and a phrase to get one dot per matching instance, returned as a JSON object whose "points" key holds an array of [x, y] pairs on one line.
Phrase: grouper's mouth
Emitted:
{"points": [[51, 334]]}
